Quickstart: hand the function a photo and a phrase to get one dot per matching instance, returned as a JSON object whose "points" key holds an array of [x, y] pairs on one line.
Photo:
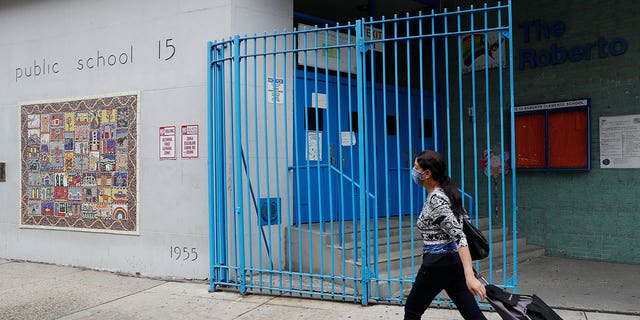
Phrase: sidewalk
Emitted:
{"points": [[582, 284], [42, 291]]}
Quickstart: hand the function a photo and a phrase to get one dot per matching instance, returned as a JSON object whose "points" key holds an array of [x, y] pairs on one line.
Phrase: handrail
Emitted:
{"points": [[337, 170]]}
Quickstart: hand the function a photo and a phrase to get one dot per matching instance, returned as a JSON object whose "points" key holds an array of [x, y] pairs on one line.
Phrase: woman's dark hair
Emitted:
{"points": [[434, 162]]}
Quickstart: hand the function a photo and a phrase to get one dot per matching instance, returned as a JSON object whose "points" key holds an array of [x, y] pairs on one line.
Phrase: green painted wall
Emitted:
{"points": [[595, 214], [580, 214]]}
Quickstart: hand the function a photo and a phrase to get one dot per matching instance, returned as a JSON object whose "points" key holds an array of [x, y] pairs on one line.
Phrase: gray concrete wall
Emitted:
{"points": [[172, 194]]}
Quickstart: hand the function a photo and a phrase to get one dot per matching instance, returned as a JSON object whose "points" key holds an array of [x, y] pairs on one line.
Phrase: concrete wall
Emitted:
{"points": [[579, 214], [173, 207]]}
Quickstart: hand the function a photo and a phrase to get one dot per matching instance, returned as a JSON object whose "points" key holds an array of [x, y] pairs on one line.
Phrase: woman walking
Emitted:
{"points": [[446, 262]]}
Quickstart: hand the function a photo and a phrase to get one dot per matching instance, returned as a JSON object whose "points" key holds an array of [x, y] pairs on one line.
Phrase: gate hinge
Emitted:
{"points": [[369, 274], [364, 47]]}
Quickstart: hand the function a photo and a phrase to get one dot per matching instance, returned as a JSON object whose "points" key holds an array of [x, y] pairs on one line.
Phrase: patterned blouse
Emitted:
{"points": [[440, 228]]}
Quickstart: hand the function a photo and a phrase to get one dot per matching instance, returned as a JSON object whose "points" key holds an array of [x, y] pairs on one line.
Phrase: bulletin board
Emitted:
{"points": [[553, 135], [530, 141], [79, 164]]}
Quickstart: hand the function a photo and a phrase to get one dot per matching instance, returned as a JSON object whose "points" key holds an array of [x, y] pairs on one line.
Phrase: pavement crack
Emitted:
{"points": [[256, 307], [112, 300]]}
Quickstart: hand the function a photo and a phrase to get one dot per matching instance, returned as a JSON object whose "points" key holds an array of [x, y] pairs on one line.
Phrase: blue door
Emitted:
{"points": [[409, 130], [398, 124], [325, 150]]}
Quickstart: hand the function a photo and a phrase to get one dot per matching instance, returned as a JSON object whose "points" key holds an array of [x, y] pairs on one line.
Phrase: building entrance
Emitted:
{"points": [[313, 134]]}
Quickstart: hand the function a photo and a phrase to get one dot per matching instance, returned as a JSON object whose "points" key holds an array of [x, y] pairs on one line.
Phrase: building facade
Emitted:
{"points": [[103, 119]]}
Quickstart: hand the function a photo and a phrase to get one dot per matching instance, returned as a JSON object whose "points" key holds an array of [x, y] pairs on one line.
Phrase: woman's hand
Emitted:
{"points": [[476, 288], [473, 284]]}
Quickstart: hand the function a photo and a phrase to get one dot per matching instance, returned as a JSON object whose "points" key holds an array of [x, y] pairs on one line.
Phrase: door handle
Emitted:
{"points": [[332, 159], [406, 158]]}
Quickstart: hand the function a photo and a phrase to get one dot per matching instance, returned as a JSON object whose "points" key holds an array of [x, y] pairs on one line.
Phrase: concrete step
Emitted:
{"points": [[344, 234], [381, 223], [395, 225], [395, 237], [394, 260], [398, 241]]}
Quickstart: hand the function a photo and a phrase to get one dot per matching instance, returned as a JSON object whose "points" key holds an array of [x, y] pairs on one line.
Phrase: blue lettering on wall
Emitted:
{"points": [[539, 31], [618, 46], [526, 56]]}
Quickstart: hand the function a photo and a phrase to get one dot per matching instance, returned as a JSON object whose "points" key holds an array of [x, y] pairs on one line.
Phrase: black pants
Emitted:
{"points": [[430, 281]]}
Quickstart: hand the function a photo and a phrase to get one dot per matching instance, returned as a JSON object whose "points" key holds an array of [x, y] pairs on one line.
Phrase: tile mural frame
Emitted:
{"points": [[107, 153]]}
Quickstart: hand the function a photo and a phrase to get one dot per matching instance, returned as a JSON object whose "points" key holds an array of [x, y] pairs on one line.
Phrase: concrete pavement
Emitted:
{"points": [[42, 291], [582, 284]]}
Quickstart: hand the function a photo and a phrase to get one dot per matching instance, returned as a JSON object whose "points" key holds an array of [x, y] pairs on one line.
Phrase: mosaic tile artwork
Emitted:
{"points": [[79, 164]]}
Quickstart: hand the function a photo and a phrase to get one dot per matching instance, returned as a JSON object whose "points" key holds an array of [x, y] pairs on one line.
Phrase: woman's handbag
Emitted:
{"points": [[478, 244]]}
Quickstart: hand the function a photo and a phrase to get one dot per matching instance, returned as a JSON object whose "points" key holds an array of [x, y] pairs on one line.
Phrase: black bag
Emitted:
{"points": [[511, 306], [478, 244]]}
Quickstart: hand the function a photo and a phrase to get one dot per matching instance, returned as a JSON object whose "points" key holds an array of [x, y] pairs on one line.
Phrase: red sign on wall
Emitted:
{"points": [[190, 141], [167, 141]]}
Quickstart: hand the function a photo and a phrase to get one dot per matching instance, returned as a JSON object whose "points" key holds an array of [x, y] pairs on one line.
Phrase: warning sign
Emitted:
{"points": [[167, 143], [190, 141]]}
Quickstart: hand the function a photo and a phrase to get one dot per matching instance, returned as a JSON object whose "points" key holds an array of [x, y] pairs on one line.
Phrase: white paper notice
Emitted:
{"points": [[348, 138], [319, 100], [314, 146], [167, 143], [620, 142], [275, 90]]}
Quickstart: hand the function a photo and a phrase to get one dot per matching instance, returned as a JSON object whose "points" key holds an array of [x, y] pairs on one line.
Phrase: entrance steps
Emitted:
{"points": [[334, 249]]}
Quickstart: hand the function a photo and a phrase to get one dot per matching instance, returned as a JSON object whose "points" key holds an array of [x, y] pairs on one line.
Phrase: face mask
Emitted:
{"points": [[417, 176]]}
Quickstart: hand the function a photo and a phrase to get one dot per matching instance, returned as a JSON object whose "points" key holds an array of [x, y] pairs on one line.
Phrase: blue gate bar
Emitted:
{"points": [[411, 152], [362, 168], [460, 106], [341, 242], [436, 144], [448, 91], [475, 131], [488, 128], [286, 142], [502, 152], [211, 164], [306, 138], [238, 168], [386, 159], [245, 166], [372, 250], [514, 208], [397, 124], [297, 181]]}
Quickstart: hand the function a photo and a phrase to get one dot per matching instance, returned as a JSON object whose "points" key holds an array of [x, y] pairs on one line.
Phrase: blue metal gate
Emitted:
{"points": [[312, 134]]}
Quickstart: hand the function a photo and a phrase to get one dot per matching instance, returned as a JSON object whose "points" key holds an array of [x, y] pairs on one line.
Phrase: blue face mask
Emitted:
{"points": [[417, 176]]}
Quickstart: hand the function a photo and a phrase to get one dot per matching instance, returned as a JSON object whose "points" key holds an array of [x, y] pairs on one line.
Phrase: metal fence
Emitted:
{"points": [[312, 135]]}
